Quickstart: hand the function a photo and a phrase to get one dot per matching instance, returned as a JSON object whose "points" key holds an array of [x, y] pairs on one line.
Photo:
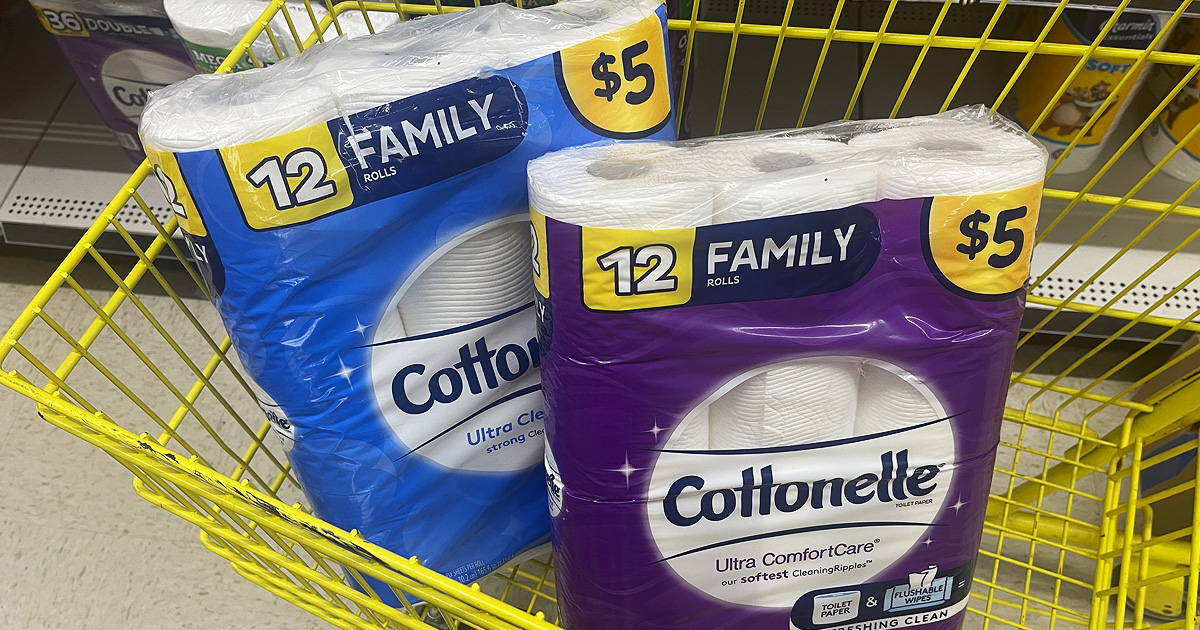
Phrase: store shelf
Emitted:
{"points": [[1109, 235], [59, 165], [37, 81], [72, 173]]}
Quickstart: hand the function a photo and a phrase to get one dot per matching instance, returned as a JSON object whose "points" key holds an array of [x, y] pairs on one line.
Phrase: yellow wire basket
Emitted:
{"points": [[1072, 539]]}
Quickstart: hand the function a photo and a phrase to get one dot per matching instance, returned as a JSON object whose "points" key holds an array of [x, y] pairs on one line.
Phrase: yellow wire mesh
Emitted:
{"points": [[1071, 539]]}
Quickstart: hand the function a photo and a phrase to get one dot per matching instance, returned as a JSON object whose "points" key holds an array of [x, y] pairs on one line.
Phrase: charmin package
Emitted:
{"points": [[212, 28], [1093, 96], [775, 366], [359, 214], [1179, 118], [1161, 78], [120, 51]]}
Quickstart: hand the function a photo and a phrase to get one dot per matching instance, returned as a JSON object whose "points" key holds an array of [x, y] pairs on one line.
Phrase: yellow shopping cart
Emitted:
{"points": [[1072, 538]]}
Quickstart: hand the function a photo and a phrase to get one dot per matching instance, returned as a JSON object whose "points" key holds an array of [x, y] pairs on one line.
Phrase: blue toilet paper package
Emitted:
{"points": [[359, 214]]}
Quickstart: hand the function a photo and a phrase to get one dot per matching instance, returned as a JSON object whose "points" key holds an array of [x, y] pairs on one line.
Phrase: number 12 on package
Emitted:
{"points": [[627, 270], [289, 179]]}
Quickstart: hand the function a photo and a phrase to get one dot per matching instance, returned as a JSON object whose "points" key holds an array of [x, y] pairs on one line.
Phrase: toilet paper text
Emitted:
{"points": [[478, 369], [753, 254], [431, 137], [363, 143], [845, 508], [468, 396], [132, 28]]}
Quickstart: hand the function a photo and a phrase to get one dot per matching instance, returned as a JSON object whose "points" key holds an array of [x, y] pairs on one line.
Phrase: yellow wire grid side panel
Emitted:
{"points": [[334, 574], [215, 424], [1071, 539]]}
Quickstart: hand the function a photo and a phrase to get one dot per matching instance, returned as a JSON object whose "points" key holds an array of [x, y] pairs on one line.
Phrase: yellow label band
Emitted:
{"points": [[288, 179], [982, 245], [625, 270], [176, 191], [541, 261]]}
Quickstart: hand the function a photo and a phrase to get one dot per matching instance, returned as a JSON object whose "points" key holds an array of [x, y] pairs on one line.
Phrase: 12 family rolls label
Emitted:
{"points": [[978, 246], [766, 259]]}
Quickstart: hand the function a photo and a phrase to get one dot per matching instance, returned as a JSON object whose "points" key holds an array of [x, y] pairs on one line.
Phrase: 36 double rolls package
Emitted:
{"points": [[775, 367], [359, 215]]}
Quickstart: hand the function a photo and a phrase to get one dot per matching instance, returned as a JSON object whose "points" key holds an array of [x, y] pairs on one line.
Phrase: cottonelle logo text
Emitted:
{"points": [[759, 493], [762, 527], [467, 397], [479, 369]]}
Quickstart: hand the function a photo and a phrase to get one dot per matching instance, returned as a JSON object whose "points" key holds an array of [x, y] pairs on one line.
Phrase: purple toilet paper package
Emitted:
{"points": [[120, 50], [782, 418]]}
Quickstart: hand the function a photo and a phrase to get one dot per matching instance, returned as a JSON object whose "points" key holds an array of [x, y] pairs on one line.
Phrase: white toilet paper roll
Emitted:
{"points": [[795, 404], [651, 186], [796, 191], [485, 275], [349, 75], [222, 23], [781, 175], [693, 433], [886, 402], [640, 186], [1156, 144], [738, 156], [947, 157], [390, 327]]}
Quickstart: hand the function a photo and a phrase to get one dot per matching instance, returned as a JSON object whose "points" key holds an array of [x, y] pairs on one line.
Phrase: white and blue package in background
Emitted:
{"points": [[359, 214]]}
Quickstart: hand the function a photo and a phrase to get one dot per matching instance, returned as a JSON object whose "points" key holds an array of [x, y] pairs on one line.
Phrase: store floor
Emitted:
{"points": [[80, 550]]}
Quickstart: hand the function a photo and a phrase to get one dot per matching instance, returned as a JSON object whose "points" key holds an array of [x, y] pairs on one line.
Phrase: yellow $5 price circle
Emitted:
{"points": [[981, 246], [616, 85]]}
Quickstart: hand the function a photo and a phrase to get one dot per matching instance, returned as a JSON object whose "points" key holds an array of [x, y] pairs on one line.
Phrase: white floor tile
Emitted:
{"points": [[57, 578], [79, 549]]}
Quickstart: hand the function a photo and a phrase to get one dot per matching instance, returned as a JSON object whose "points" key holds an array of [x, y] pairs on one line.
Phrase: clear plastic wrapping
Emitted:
{"points": [[350, 75], [739, 177], [211, 29], [775, 366], [359, 213]]}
